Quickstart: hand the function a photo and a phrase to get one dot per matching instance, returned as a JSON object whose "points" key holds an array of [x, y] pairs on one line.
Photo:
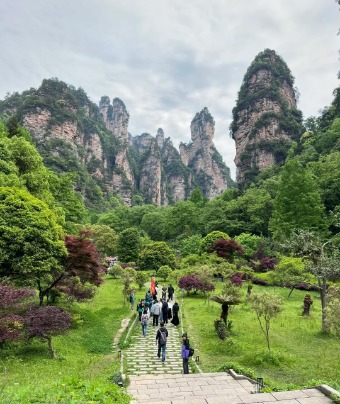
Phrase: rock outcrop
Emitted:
{"points": [[265, 119], [74, 135], [209, 173]]}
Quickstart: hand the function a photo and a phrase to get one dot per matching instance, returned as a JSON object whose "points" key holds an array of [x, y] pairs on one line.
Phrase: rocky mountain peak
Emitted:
{"points": [[265, 118], [116, 117], [202, 126], [160, 137]]}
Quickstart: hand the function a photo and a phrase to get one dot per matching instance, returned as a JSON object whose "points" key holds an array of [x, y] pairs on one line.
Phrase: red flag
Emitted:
{"points": [[152, 286]]}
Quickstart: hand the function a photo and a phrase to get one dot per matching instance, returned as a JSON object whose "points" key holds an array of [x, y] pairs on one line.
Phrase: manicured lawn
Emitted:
{"points": [[84, 354], [300, 353]]}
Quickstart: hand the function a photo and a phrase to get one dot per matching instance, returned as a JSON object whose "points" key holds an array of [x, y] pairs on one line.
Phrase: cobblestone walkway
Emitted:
{"points": [[142, 358]]}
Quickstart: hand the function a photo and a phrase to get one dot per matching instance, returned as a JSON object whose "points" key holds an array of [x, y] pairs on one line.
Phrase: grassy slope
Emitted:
{"points": [[301, 353], [85, 352]]}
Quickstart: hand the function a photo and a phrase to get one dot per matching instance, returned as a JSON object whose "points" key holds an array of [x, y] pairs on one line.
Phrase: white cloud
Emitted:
{"points": [[167, 60]]}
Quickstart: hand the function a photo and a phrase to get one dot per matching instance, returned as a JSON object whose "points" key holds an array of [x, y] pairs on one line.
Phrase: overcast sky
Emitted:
{"points": [[168, 59]]}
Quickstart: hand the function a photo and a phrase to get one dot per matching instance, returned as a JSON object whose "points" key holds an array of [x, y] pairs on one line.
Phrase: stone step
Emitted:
{"points": [[212, 388]]}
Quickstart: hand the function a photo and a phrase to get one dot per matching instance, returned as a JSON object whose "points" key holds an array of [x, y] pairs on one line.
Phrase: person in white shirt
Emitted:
{"points": [[156, 313]]}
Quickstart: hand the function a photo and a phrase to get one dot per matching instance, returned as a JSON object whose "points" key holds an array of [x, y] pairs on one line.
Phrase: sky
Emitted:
{"points": [[168, 59]]}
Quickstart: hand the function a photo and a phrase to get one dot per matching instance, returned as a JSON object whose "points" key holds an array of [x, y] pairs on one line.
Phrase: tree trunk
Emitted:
{"points": [[224, 314], [291, 291], [323, 296], [49, 342]]}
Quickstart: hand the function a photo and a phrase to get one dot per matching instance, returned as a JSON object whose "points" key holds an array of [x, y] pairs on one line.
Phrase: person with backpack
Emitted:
{"points": [[185, 353], [144, 320], [161, 339]]}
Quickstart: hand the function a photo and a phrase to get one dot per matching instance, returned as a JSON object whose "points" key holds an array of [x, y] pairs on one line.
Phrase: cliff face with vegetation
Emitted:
{"points": [[209, 172], [265, 118], [74, 135]]}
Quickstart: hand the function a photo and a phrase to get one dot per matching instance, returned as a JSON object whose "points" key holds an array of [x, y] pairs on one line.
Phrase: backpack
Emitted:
{"points": [[162, 337], [191, 351]]}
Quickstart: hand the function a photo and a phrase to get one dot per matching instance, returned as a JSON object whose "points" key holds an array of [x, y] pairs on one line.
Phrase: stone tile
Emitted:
{"points": [[223, 400], [284, 402], [315, 400], [289, 395], [313, 392], [256, 398]]}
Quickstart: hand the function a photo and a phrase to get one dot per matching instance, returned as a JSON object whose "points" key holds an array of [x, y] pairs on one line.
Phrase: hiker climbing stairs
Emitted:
{"points": [[141, 357]]}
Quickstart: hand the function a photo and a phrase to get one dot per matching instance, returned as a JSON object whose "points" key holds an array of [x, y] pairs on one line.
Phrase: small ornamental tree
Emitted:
{"points": [[231, 295], [13, 303], [44, 322], [155, 255], [164, 272], [188, 283], [209, 240], [82, 264], [266, 307], [290, 271], [226, 248], [141, 278]]}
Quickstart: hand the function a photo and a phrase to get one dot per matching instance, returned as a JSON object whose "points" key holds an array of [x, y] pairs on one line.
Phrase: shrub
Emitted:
{"points": [[236, 280], [220, 328]]}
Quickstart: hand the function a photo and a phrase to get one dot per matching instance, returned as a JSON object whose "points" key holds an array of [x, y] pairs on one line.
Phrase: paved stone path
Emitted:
{"points": [[151, 381], [212, 388], [142, 357]]}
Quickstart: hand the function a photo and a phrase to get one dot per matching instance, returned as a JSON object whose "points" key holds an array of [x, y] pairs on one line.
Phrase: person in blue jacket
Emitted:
{"points": [[185, 353]]}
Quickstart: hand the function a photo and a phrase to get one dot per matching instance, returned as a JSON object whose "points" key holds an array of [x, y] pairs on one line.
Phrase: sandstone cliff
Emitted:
{"points": [[265, 119], [74, 135], [209, 173]]}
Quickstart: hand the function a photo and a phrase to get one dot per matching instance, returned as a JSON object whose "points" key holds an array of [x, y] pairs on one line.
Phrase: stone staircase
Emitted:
{"points": [[151, 381], [212, 388]]}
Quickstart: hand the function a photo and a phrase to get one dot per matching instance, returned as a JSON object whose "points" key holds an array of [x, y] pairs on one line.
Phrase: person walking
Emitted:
{"points": [[140, 307], [171, 291], [175, 318], [161, 339], [165, 308], [144, 320], [132, 298], [156, 313], [164, 290], [185, 353]]}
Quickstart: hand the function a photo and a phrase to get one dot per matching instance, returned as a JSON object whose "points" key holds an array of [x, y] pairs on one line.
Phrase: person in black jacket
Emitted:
{"points": [[171, 291], [161, 339], [175, 310], [165, 308]]}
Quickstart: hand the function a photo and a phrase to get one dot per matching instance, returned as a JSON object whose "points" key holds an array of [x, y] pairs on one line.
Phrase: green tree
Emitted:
{"points": [[31, 241], [190, 245], [141, 278], [164, 272], [209, 240], [183, 218], [128, 245], [153, 224], [249, 242], [290, 271], [154, 255], [104, 238], [231, 295], [266, 306], [298, 203]]}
